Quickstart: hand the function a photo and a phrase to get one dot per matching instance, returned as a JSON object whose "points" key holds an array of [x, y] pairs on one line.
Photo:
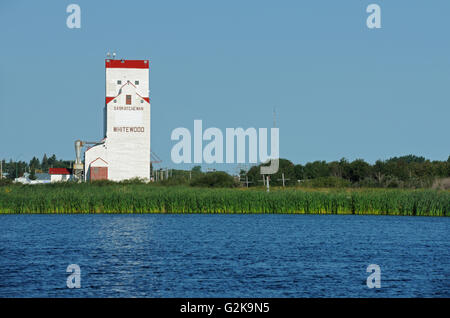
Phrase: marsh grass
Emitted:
{"points": [[147, 198]]}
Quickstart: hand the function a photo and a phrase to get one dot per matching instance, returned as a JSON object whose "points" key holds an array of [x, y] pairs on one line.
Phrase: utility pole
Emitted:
{"points": [[246, 181], [1, 169], [283, 179], [263, 180]]}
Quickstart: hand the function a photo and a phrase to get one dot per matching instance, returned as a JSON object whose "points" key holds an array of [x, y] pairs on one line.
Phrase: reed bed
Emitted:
{"points": [[145, 198]]}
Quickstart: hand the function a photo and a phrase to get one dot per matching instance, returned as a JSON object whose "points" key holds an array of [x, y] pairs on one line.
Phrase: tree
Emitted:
{"points": [[44, 164], [379, 170], [359, 170], [52, 160], [216, 179], [34, 163], [284, 166], [11, 169], [335, 168], [316, 169], [33, 174], [287, 169], [344, 168], [196, 169], [407, 159], [299, 171]]}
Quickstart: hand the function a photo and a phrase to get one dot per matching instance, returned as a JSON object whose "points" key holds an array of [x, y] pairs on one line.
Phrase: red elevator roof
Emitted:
{"points": [[126, 63]]}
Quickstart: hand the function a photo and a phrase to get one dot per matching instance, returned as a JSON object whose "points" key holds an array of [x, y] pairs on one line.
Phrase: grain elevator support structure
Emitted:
{"points": [[124, 153]]}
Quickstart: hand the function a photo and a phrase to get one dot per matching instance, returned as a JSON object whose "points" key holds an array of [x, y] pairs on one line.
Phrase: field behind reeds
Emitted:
{"points": [[144, 198]]}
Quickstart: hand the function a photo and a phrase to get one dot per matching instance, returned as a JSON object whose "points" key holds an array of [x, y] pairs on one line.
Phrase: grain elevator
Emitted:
{"points": [[124, 152]]}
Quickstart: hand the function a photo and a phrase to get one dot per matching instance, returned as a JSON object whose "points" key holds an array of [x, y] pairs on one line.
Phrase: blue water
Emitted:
{"points": [[224, 255]]}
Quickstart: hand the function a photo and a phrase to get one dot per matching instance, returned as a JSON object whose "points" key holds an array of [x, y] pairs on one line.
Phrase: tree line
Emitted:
{"points": [[398, 172], [14, 169], [406, 171]]}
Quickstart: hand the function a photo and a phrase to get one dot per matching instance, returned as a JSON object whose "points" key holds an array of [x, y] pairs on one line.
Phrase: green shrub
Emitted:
{"points": [[174, 181], [326, 182], [5, 182], [217, 179]]}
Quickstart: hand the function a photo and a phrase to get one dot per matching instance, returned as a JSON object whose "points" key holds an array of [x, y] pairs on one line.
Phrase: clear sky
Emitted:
{"points": [[339, 88]]}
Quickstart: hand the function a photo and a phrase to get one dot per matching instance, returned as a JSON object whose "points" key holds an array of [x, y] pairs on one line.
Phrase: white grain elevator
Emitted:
{"points": [[124, 153]]}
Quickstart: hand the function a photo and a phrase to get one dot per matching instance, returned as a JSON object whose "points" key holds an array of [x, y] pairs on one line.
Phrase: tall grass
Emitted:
{"points": [[144, 198]]}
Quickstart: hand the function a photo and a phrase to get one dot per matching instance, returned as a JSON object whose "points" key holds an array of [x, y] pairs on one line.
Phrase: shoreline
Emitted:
{"points": [[215, 213]]}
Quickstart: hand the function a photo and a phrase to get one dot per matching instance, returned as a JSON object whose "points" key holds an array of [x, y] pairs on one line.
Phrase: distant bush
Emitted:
{"points": [[443, 184], [393, 182], [218, 179], [5, 182], [418, 183], [101, 183], [326, 182], [174, 181], [131, 181], [368, 183]]}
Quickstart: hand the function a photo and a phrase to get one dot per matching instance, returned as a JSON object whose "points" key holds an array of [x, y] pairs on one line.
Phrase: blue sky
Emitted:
{"points": [[339, 88]]}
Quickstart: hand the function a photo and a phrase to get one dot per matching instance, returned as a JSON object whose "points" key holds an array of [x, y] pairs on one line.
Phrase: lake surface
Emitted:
{"points": [[224, 255]]}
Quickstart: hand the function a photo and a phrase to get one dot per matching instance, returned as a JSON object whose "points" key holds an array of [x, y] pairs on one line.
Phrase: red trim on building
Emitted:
{"points": [[96, 160], [59, 171], [126, 63], [109, 99]]}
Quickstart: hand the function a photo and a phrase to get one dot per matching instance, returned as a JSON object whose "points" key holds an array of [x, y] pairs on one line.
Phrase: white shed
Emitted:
{"points": [[60, 174]]}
